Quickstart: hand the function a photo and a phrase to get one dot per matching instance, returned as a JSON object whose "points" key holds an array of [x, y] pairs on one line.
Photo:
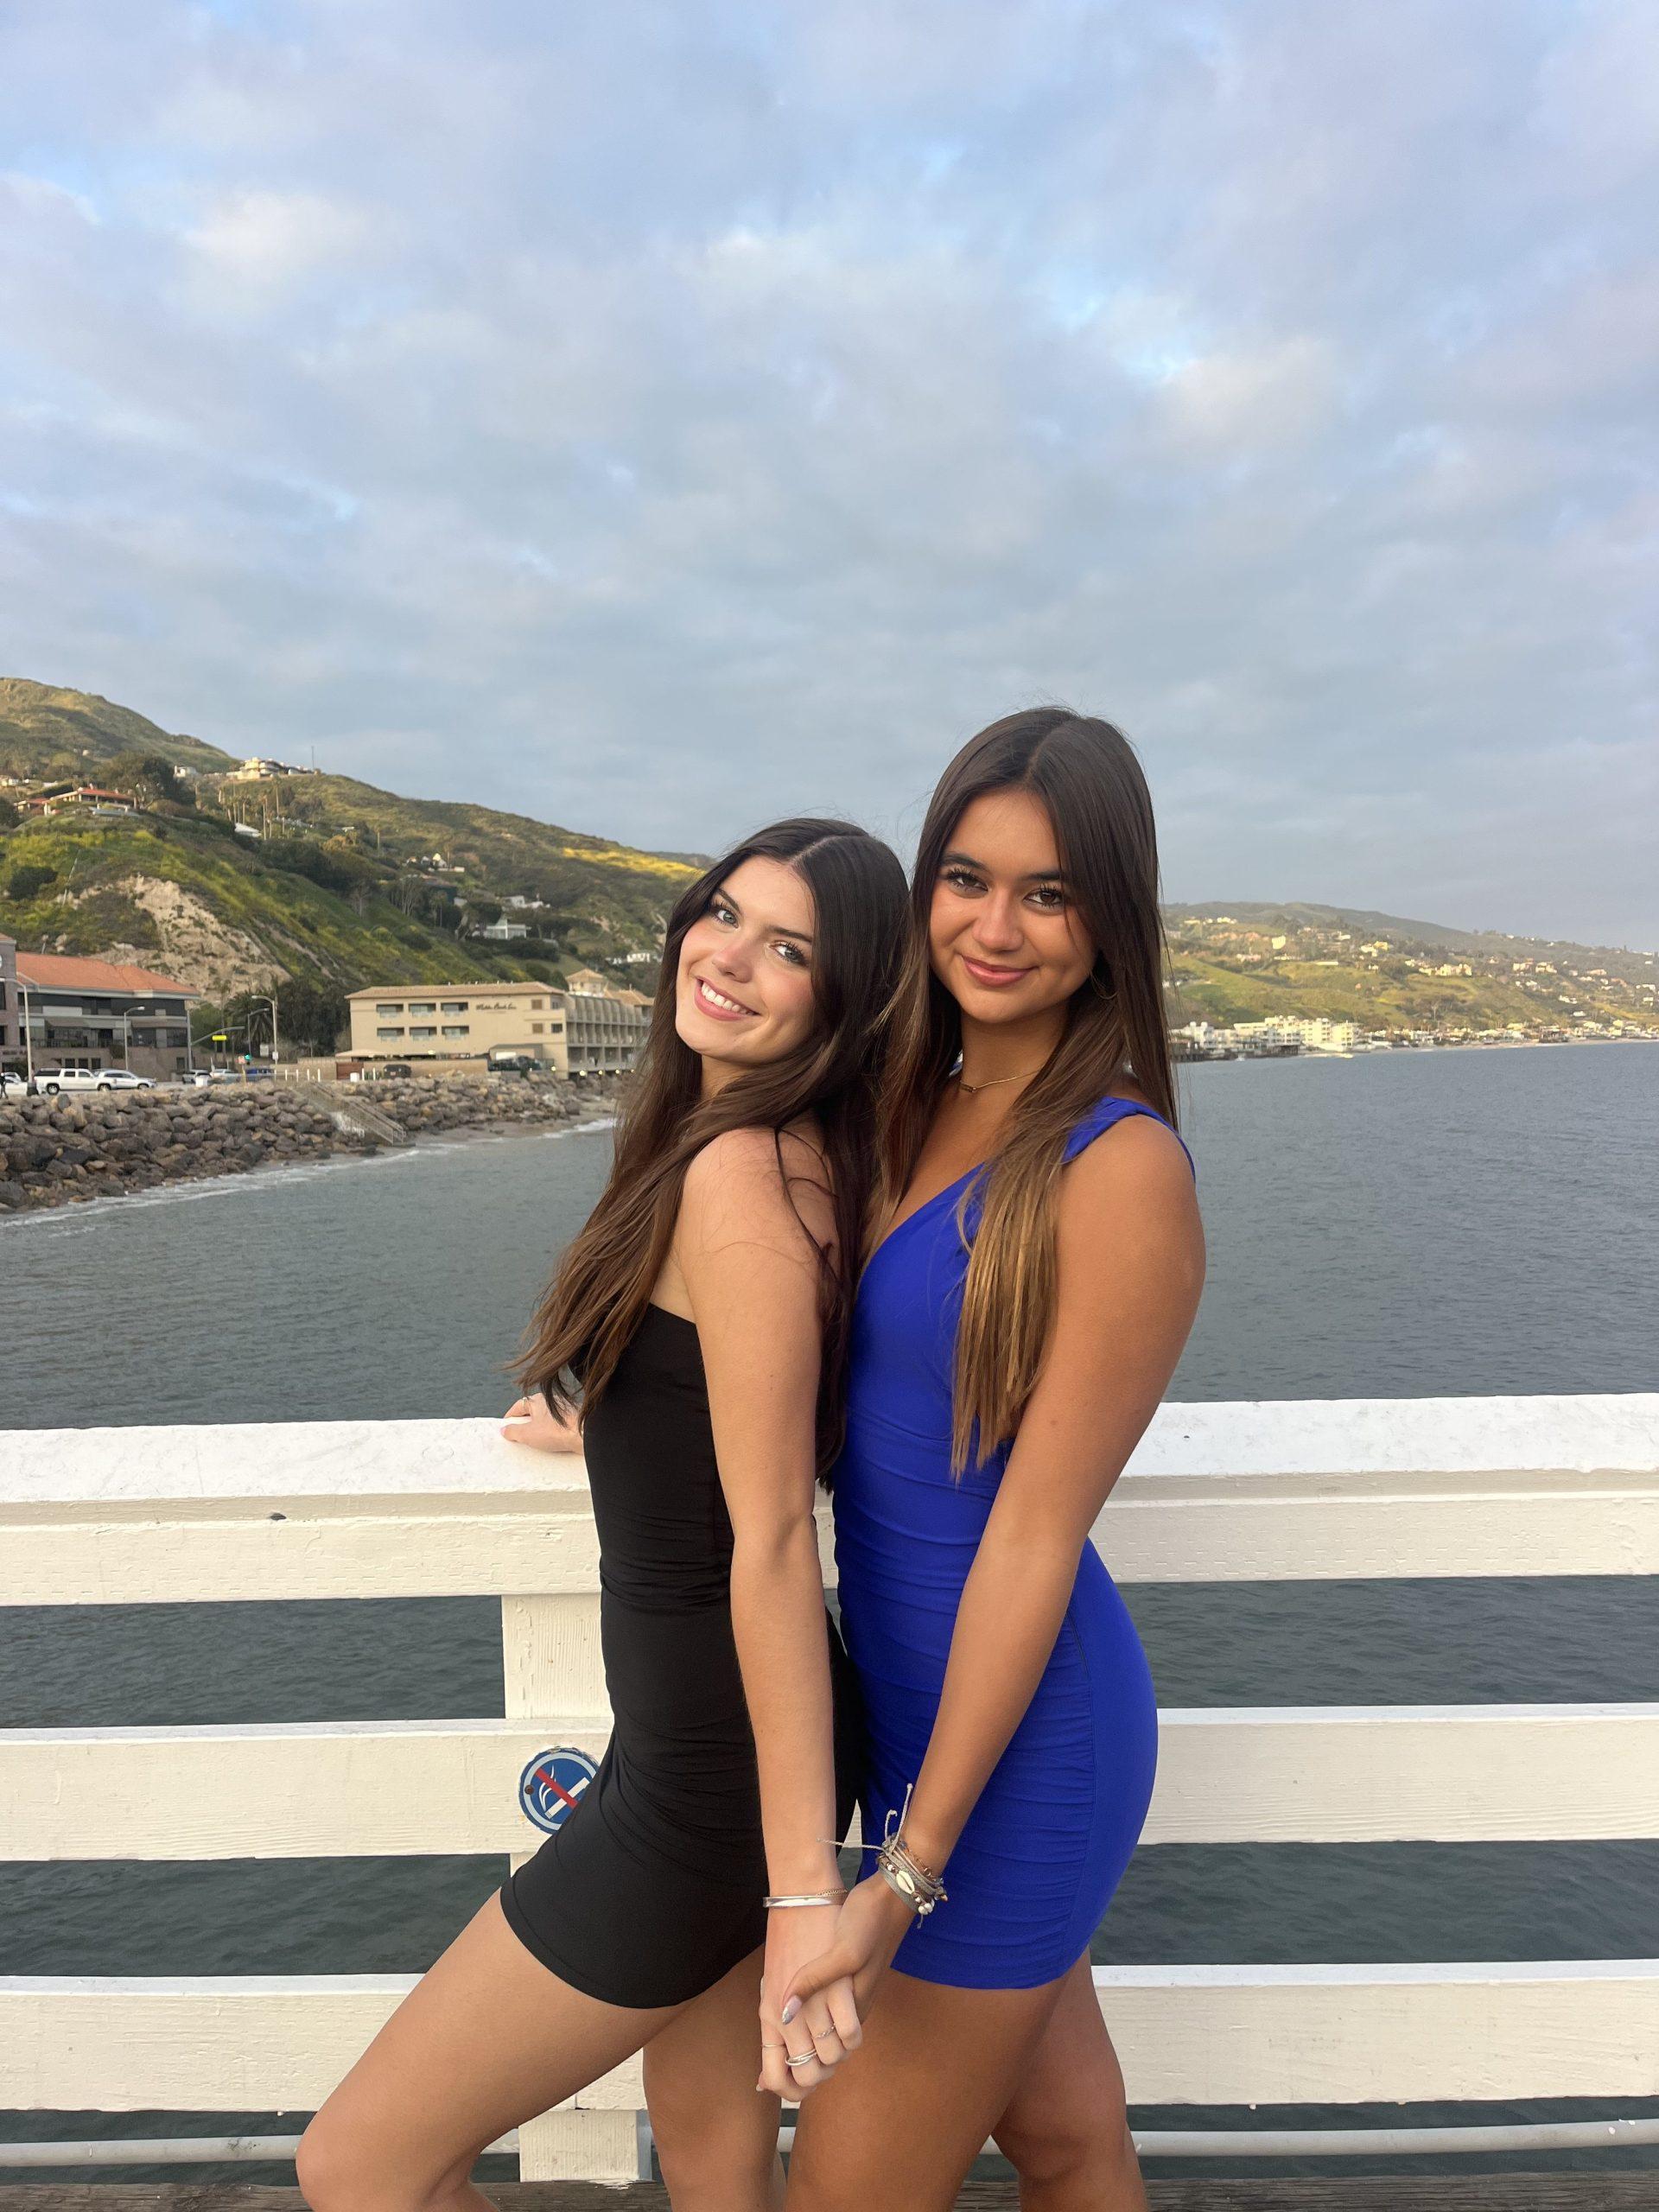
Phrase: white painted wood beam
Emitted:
{"points": [[1343, 1774], [1186, 2035]]}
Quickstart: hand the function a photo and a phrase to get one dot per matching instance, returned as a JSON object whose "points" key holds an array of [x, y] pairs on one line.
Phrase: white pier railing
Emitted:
{"points": [[1297, 1490]]}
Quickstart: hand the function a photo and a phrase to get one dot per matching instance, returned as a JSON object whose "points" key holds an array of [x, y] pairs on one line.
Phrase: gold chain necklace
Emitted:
{"points": [[991, 1082]]}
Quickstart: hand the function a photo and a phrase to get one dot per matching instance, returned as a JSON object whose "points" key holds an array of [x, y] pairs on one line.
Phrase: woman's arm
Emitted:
{"points": [[1131, 1268], [752, 1278]]}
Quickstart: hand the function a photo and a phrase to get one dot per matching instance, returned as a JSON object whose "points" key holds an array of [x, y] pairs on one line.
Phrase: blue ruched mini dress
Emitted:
{"points": [[1047, 1844]]}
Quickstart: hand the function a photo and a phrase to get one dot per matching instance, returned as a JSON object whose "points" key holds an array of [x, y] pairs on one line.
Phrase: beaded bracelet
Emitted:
{"points": [[918, 1885], [902, 1870]]}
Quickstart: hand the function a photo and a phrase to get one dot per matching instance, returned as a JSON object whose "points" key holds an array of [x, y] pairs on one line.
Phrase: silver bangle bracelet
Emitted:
{"points": [[810, 1896]]}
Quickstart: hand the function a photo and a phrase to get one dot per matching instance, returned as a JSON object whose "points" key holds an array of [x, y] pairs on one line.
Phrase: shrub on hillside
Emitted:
{"points": [[28, 880]]}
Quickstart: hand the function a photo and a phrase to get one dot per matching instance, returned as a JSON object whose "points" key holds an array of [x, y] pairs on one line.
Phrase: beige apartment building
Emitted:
{"points": [[606, 1028], [588, 1030], [458, 1021]]}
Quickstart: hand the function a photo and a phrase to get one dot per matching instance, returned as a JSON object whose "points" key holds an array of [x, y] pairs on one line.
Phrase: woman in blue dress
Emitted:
{"points": [[1034, 1268]]}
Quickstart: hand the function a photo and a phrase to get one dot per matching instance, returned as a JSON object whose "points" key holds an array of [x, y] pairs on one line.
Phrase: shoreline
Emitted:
{"points": [[79, 1148], [1419, 1052]]}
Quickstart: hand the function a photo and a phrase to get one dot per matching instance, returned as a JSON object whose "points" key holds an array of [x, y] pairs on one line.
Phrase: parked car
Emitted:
{"points": [[13, 1086], [123, 1080], [196, 1078]]}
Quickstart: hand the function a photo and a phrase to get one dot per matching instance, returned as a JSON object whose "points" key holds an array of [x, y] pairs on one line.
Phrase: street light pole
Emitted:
{"points": [[29, 1034]]}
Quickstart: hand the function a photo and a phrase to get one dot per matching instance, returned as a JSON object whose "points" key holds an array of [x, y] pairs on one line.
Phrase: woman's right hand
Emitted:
{"points": [[529, 1420], [868, 1930]]}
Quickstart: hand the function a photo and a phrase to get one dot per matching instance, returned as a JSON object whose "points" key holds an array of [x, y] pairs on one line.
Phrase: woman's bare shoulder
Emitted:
{"points": [[755, 1176]]}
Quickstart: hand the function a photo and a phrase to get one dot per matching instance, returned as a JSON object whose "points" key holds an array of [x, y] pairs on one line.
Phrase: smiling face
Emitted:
{"points": [[743, 994], [1004, 935]]}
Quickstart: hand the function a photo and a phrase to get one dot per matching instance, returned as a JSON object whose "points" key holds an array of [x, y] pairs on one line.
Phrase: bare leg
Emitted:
{"points": [[716, 2135], [486, 2039], [954, 2056], [1065, 2130]]}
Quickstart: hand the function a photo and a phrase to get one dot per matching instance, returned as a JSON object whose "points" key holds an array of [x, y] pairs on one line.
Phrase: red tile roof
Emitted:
{"points": [[60, 971]]}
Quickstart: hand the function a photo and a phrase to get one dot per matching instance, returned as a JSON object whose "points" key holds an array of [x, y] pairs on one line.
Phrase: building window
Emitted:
{"points": [[453, 1006], [388, 1032], [538, 1006], [538, 1028], [391, 1009], [556, 1027], [455, 1029], [422, 1006], [418, 1032]]}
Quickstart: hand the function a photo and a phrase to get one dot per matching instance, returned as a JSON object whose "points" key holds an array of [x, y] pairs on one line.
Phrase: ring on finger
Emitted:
{"points": [[806, 2058]]}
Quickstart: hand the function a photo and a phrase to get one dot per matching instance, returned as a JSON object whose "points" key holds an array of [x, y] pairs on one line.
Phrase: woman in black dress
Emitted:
{"points": [[701, 1315]]}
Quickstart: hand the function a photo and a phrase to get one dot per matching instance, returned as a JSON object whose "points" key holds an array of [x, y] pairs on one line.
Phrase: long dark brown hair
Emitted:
{"points": [[1086, 775], [598, 1295]]}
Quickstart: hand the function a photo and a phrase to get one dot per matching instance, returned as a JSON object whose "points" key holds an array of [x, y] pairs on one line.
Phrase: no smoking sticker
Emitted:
{"points": [[553, 1785]]}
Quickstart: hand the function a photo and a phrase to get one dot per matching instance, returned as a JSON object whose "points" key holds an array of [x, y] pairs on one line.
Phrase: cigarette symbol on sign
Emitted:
{"points": [[553, 1785]]}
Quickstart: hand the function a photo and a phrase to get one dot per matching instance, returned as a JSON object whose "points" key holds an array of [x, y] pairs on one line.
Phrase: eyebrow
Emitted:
{"points": [[800, 936], [1039, 875]]}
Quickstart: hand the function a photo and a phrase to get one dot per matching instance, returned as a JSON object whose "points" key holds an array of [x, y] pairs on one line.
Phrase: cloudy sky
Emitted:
{"points": [[659, 418]]}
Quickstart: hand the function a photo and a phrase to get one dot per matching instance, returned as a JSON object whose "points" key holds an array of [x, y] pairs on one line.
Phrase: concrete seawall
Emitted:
{"points": [[106, 1144]]}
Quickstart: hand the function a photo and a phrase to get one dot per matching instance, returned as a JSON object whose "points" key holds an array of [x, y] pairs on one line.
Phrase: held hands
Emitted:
{"points": [[868, 1929], [527, 1421], [826, 2027]]}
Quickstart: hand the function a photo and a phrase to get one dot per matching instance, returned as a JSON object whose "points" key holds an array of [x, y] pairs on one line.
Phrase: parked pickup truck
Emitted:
{"points": [[52, 1080]]}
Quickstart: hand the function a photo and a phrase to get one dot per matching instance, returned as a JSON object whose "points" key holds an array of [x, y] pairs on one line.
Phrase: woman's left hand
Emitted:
{"points": [[868, 1930], [827, 2027], [530, 1421]]}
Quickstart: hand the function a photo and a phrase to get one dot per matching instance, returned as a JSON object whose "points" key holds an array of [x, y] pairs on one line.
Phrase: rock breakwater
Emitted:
{"points": [[106, 1144]]}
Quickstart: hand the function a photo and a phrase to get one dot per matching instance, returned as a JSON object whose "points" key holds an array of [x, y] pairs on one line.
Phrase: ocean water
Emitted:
{"points": [[1394, 1226]]}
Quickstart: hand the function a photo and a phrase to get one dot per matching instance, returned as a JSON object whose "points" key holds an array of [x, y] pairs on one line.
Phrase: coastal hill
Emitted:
{"points": [[1252, 960], [326, 877], [226, 878]]}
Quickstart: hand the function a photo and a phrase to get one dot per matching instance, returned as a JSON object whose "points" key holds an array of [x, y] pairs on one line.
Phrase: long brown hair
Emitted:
{"points": [[597, 1298], [1086, 775]]}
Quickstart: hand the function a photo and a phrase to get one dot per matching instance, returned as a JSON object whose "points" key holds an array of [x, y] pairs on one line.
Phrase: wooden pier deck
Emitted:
{"points": [[1574, 2192]]}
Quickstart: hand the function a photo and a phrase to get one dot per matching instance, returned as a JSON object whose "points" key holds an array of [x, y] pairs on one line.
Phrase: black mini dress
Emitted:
{"points": [[652, 1891]]}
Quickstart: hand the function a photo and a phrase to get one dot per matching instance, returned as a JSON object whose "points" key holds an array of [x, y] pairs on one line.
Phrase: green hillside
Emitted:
{"points": [[190, 898], [346, 884], [1299, 916], [1375, 999], [1254, 962], [49, 734]]}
